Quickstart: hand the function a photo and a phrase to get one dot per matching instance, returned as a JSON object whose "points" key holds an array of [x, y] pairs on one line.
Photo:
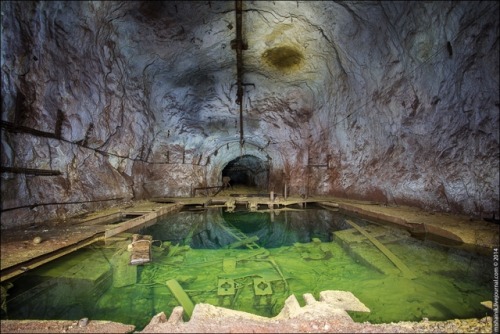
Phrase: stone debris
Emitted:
{"points": [[158, 319], [332, 304], [343, 299], [83, 322], [328, 315], [176, 315]]}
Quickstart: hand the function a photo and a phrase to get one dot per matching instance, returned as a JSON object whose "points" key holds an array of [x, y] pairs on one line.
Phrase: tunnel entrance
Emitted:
{"points": [[247, 171]]}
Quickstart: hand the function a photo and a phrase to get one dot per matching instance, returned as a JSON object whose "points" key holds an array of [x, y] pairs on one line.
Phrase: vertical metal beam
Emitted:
{"points": [[238, 45], [239, 51]]}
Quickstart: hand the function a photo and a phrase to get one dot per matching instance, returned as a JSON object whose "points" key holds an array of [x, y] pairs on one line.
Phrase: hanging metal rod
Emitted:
{"points": [[239, 45]]}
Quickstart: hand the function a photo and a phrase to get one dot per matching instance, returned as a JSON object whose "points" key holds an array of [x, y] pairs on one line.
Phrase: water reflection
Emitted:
{"points": [[213, 228]]}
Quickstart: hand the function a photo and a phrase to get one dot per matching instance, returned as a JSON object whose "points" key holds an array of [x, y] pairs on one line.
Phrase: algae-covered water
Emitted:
{"points": [[288, 252]]}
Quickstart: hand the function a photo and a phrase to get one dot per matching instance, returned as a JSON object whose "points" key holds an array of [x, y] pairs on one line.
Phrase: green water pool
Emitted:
{"points": [[296, 252]]}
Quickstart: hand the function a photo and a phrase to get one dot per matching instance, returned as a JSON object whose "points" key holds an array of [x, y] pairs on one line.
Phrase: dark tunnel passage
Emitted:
{"points": [[248, 171]]}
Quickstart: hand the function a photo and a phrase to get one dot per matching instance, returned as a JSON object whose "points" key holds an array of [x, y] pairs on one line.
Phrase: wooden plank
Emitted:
{"points": [[130, 224], [390, 255], [103, 220], [181, 296], [439, 235], [243, 242], [329, 204], [168, 209], [378, 217]]}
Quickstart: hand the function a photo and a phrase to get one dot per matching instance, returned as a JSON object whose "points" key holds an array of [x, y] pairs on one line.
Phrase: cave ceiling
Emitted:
{"points": [[190, 67]]}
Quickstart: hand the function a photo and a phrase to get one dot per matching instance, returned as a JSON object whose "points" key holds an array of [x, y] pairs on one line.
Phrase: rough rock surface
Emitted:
{"points": [[328, 315], [64, 326], [133, 99], [208, 322]]}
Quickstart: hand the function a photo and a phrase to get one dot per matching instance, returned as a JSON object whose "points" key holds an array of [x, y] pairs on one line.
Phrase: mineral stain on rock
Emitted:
{"points": [[284, 58]]}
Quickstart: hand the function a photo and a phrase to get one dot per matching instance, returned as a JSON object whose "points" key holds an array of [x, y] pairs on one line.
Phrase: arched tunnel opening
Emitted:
{"points": [[247, 171]]}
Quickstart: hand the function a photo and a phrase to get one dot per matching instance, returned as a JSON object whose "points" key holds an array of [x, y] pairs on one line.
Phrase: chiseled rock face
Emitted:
{"points": [[396, 102]]}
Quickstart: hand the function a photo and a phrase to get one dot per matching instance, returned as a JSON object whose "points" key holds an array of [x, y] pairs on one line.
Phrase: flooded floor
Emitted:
{"points": [[252, 262]]}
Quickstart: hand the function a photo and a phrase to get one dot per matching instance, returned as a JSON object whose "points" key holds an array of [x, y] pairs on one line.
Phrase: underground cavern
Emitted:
{"points": [[239, 166]]}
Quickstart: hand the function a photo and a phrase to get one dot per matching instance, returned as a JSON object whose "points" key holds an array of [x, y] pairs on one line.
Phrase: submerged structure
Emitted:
{"points": [[388, 111]]}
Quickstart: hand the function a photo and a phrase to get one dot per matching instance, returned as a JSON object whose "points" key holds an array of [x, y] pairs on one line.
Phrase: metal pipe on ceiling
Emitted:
{"points": [[239, 45]]}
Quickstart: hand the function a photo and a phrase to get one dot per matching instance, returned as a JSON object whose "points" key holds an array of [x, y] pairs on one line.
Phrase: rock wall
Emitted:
{"points": [[394, 102]]}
